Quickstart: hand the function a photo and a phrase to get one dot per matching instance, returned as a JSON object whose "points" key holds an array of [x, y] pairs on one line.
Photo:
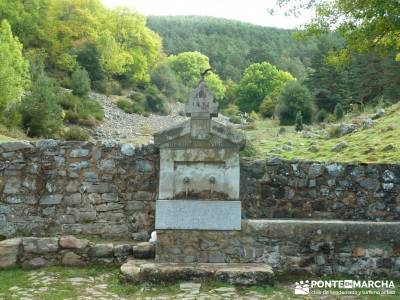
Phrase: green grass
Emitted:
{"points": [[5, 139], [61, 288], [364, 145]]}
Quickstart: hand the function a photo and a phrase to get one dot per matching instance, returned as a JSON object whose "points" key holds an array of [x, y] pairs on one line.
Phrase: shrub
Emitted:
{"points": [[321, 116], [156, 101], [235, 120], [339, 112], [108, 87], [267, 107], [41, 114], [231, 111], [72, 117], [75, 133], [130, 107], [125, 105], [299, 121], [80, 82], [253, 116], [295, 98], [81, 110]]}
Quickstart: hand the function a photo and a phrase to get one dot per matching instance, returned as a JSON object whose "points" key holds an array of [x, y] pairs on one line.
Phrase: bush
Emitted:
{"points": [[41, 114], [231, 111], [108, 87], [295, 98], [338, 112], [80, 82], [156, 101], [253, 116], [72, 117], [235, 120], [267, 107], [81, 110], [321, 116], [75, 133], [130, 107], [299, 121]]}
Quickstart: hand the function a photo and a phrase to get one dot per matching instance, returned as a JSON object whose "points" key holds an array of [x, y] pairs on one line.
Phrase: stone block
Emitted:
{"points": [[198, 214], [143, 250], [72, 259], [102, 250], [143, 195], [71, 242], [40, 245], [35, 263], [15, 146], [13, 186], [128, 149], [77, 153], [9, 252], [51, 199], [122, 250]]}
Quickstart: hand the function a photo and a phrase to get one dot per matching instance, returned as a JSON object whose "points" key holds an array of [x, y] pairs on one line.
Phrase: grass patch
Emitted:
{"points": [[364, 145]]}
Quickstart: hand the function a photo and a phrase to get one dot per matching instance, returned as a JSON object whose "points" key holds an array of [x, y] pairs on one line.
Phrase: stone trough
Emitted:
{"points": [[136, 271]]}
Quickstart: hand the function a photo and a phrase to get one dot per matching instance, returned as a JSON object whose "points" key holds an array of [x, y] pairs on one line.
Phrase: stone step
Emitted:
{"points": [[138, 271]]}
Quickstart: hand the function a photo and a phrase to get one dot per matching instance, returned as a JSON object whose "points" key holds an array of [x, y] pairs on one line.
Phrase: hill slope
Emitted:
{"points": [[232, 45], [377, 144]]}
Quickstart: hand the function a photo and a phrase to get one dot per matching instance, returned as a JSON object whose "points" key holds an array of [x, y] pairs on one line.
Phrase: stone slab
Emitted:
{"points": [[198, 214], [137, 271]]}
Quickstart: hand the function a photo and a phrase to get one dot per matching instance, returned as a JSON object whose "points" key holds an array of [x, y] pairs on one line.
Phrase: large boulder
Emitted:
{"points": [[71, 242], [9, 250]]}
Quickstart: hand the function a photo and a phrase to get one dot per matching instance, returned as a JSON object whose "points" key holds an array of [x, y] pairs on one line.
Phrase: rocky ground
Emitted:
{"points": [[119, 125], [134, 128]]}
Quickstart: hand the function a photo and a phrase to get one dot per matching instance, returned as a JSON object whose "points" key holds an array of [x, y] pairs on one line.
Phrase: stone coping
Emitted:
{"points": [[324, 221], [139, 271], [367, 231], [36, 252]]}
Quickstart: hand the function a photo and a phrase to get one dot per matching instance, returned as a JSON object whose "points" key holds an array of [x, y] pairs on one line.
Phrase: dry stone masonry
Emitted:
{"points": [[52, 188], [36, 252], [301, 190]]}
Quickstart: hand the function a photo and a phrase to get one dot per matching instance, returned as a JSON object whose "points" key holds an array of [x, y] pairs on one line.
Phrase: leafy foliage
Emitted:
{"points": [[14, 68], [299, 121], [80, 82], [364, 24], [259, 81], [41, 116], [295, 99], [338, 112], [231, 45]]}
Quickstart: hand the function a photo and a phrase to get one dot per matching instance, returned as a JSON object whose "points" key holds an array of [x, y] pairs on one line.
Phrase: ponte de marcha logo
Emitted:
{"points": [[345, 287]]}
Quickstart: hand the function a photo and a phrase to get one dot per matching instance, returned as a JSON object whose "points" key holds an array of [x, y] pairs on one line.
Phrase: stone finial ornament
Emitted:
{"points": [[201, 104]]}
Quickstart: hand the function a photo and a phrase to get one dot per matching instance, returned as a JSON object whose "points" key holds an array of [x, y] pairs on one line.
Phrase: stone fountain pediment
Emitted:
{"points": [[220, 136]]}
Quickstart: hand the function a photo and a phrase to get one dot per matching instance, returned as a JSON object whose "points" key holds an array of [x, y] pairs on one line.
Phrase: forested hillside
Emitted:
{"points": [[232, 46], [364, 79], [54, 52]]}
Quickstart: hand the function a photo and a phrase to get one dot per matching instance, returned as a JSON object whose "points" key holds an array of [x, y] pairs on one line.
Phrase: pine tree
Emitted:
{"points": [[339, 113], [299, 121]]}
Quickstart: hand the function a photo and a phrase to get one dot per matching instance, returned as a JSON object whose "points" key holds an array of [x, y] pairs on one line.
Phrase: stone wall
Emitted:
{"points": [[109, 189], [35, 252], [317, 247], [51, 188], [285, 189]]}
